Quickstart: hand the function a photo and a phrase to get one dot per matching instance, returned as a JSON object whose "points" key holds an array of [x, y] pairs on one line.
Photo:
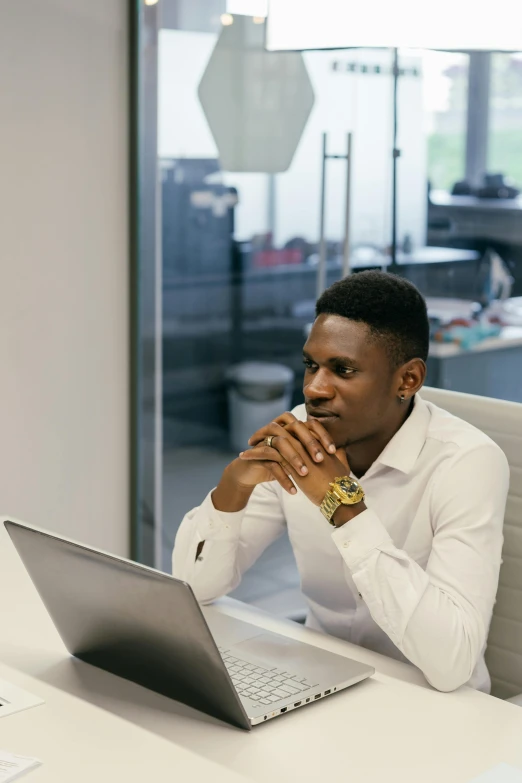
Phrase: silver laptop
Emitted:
{"points": [[148, 627]]}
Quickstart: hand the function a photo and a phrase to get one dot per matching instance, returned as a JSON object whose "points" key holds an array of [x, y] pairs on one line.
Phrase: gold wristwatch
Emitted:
{"points": [[344, 491]]}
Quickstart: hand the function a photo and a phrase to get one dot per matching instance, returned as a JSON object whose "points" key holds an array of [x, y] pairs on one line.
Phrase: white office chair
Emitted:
{"points": [[502, 421]]}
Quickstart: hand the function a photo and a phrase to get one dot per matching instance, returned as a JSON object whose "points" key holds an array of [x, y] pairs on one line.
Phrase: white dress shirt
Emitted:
{"points": [[413, 577]]}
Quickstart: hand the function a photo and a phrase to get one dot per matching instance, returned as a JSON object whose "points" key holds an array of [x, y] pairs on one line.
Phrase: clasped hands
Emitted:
{"points": [[302, 451]]}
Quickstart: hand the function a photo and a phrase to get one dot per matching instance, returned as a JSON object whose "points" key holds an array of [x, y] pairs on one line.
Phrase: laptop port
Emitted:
{"points": [[317, 696], [298, 703], [327, 693], [306, 702], [284, 709]]}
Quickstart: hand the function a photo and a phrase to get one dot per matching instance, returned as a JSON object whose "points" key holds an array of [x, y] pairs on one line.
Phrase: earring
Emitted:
{"points": [[401, 398]]}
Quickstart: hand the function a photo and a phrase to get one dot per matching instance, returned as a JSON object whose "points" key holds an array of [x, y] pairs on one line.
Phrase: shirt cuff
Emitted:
{"points": [[357, 539], [214, 525]]}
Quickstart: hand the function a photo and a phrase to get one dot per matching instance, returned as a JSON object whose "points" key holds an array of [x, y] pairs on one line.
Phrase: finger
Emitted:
{"points": [[274, 428], [282, 477], [293, 451], [284, 448], [285, 419], [322, 435], [281, 471], [313, 439], [289, 421], [307, 436]]}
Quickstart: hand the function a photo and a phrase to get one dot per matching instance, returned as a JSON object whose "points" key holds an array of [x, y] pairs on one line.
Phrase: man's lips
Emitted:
{"points": [[321, 414]]}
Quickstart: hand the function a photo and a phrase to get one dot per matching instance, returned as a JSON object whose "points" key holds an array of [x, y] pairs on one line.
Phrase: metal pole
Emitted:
{"points": [[271, 205], [146, 292], [321, 268], [396, 153], [346, 247]]}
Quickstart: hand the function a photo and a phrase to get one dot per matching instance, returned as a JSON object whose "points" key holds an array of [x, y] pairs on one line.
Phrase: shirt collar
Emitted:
{"points": [[402, 451]]}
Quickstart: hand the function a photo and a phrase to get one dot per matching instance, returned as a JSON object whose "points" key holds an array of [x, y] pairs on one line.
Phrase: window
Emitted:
{"points": [[445, 105], [505, 117]]}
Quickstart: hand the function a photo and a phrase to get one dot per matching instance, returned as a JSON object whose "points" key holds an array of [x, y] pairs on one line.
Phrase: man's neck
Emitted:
{"points": [[361, 456]]}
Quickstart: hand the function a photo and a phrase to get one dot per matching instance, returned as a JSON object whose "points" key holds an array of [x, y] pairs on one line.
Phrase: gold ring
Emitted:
{"points": [[268, 440]]}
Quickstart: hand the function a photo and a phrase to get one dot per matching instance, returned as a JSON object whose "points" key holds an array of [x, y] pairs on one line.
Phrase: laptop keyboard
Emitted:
{"points": [[265, 686]]}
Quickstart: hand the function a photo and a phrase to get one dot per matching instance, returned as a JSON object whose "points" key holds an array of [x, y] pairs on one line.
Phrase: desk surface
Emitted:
{"points": [[441, 198], [509, 337], [419, 256], [360, 258], [95, 726]]}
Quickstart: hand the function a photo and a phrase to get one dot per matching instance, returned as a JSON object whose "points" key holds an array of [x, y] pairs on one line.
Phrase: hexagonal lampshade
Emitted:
{"points": [[256, 102]]}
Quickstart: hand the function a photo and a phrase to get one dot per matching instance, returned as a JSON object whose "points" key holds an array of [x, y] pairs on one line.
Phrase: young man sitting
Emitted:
{"points": [[394, 508]]}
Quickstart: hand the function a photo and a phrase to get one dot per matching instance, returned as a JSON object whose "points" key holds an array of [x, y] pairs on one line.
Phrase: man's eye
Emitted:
{"points": [[345, 370], [308, 364]]}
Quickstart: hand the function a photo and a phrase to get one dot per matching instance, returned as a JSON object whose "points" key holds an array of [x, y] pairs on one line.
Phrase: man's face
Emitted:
{"points": [[349, 386]]}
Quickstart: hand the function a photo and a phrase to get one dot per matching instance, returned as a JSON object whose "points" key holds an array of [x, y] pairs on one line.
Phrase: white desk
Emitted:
{"points": [[493, 219], [492, 368], [96, 727], [509, 337]]}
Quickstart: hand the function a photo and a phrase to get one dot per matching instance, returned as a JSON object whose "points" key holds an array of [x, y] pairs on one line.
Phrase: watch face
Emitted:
{"points": [[348, 490], [348, 485]]}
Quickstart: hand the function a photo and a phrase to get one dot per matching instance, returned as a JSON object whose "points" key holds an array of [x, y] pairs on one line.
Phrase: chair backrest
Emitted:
{"points": [[502, 421]]}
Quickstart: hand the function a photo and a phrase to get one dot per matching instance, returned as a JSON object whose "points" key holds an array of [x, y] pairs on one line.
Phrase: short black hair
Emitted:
{"points": [[392, 308]]}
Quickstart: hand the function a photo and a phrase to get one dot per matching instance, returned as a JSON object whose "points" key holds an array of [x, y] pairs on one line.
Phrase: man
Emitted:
{"points": [[394, 507]]}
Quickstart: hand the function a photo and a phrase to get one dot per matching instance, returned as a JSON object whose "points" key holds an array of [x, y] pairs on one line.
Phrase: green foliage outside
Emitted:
{"points": [[446, 151], [505, 154], [446, 157]]}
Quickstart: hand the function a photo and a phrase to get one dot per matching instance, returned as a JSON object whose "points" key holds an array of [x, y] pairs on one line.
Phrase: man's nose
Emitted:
{"points": [[319, 387]]}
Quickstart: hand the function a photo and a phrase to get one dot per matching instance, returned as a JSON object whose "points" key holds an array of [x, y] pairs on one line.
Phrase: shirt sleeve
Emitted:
{"points": [[438, 617], [233, 542]]}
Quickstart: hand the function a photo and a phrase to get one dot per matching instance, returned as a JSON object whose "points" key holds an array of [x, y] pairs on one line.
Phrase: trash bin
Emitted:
{"points": [[257, 393]]}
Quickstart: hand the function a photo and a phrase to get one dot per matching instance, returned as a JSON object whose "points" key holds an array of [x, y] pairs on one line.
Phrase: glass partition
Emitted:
{"points": [[232, 180]]}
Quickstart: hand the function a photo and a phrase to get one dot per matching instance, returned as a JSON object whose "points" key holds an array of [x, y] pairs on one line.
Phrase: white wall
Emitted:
{"points": [[64, 267]]}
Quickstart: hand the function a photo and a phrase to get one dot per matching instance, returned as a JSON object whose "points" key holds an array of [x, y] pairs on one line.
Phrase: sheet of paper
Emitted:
{"points": [[502, 773], [14, 699], [12, 766]]}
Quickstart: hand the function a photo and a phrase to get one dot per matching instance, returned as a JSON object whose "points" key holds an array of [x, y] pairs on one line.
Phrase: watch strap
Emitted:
{"points": [[329, 505], [339, 495]]}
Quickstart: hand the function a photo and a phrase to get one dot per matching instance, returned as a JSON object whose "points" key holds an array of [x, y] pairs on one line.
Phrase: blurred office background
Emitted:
{"points": [[237, 135], [178, 108]]}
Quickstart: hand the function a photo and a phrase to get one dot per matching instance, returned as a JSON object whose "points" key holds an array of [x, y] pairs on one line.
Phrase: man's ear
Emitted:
{"points": [[411, 377]]}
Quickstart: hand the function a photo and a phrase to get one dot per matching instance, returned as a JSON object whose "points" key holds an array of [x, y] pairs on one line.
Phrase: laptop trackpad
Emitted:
{"points": [[228, 631], [282, 652]]}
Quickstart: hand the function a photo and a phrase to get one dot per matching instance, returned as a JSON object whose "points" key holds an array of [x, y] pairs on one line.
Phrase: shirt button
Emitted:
{"points": [[346, 544], [227, 527]]}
